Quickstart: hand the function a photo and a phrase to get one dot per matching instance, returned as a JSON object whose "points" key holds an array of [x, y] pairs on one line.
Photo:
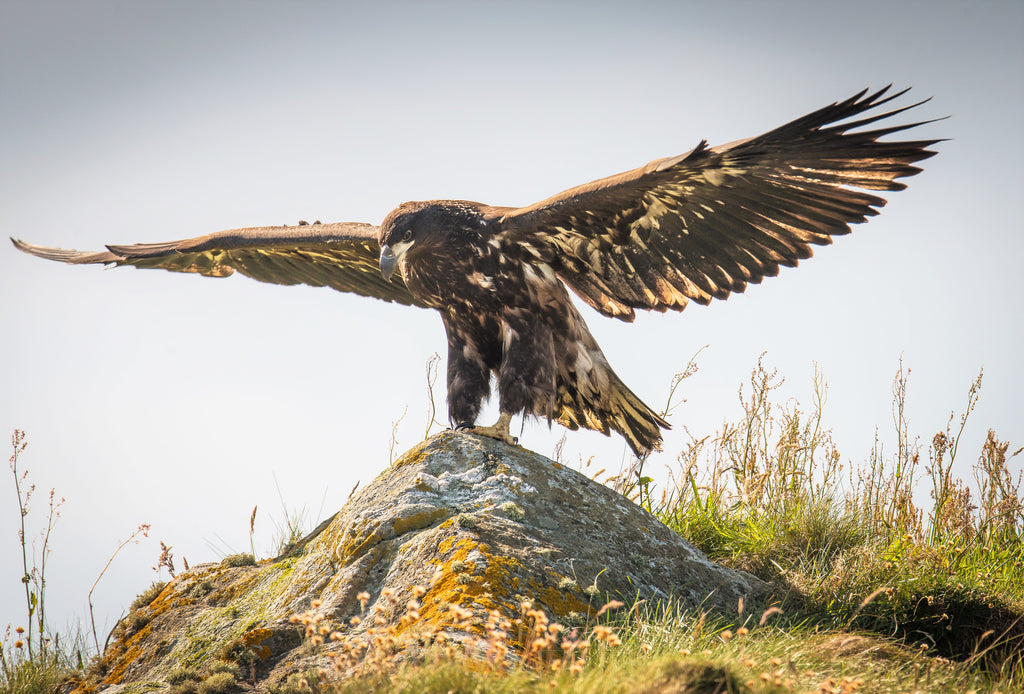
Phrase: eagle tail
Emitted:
{"points": [[616, 407], [630, 416]]}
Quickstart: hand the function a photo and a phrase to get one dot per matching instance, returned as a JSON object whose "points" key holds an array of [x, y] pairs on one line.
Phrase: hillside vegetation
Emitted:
{"points": [[876, 591]]}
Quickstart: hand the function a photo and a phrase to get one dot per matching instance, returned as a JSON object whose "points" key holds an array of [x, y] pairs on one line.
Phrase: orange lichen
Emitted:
{"points": [[133, 648], [254, 639], [125, 652]]}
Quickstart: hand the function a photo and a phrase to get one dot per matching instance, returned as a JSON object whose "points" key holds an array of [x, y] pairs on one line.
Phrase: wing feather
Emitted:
{"points": [[343, 256], [707, 223]]}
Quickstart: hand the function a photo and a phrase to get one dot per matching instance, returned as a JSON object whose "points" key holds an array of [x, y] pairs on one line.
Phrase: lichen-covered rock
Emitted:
{"points": [[473, 522]]}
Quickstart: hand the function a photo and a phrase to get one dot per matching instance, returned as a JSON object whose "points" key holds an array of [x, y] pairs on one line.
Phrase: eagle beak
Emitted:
{"points": [[388, 262]]}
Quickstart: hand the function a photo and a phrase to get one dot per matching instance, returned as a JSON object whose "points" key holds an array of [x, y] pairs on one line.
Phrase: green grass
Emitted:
{"points": [[39, 675]]}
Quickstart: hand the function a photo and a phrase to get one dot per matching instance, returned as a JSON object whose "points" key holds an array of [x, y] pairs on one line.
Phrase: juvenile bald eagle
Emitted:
{"points": [[695, 227]]}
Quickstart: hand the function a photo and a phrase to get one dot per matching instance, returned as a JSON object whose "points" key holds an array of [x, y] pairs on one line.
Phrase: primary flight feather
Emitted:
{"points": [[697, 226]]}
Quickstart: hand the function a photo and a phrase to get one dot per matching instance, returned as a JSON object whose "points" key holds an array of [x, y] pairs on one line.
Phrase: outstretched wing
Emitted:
{"points": [[706, 223], [343, 256]]}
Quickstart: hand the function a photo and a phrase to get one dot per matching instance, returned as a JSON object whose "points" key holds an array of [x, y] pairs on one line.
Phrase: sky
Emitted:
{"points": [[183, 402]]}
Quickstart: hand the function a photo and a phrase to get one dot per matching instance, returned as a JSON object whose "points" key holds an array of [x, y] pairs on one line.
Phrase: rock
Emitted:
{"points": [[476, 523]]}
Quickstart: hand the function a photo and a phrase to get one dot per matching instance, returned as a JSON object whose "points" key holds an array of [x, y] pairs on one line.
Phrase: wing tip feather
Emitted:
{"points": [[63, 255]]}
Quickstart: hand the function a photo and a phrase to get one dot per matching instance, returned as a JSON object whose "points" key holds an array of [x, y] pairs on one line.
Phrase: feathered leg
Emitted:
{"points": [[469, 378]]}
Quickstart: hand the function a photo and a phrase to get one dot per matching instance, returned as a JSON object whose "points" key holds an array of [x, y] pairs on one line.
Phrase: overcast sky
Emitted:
{"points": [[183, 401]]}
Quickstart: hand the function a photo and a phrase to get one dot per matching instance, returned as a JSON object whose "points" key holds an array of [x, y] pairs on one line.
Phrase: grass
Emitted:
{"points": [[768, 494], [647, 649], [877, 591]]}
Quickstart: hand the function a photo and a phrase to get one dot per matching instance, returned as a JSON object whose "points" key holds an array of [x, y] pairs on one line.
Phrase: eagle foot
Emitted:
{"points": [[499, 430]]}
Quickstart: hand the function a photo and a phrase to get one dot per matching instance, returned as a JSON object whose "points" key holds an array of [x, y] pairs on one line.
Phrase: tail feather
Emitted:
{"points": [[620, 410], [591, 395], [639, 424]]}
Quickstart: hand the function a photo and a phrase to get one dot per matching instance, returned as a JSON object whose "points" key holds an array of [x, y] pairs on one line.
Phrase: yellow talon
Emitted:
{"points": [[499, 430]]}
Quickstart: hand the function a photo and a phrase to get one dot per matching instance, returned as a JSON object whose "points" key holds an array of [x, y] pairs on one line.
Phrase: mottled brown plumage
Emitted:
{"points": [[697, 226]]}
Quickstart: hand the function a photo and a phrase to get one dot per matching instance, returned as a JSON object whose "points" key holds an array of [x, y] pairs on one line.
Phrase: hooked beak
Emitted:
{"points": [[388, 262]]}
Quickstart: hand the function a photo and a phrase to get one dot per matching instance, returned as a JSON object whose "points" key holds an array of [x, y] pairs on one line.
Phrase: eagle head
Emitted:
{"points": [[423, 226]]}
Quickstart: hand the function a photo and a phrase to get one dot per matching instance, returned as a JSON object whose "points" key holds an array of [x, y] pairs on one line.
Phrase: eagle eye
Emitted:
{"points": [[407, 235]]}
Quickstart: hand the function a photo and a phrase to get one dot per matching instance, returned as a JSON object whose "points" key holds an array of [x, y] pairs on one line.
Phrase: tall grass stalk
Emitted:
{"points": [[18, 443], [33, 576], [142, 530]]}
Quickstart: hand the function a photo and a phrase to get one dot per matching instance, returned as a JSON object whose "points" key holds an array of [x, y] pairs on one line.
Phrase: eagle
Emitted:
{"points": [[693, 227]]}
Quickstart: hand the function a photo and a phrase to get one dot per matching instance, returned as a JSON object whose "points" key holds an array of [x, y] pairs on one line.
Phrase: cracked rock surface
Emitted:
{"points": [[475, 522]]}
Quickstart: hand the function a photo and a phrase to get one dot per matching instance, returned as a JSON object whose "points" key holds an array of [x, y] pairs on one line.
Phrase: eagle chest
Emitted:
{"points": [[474, 280]]}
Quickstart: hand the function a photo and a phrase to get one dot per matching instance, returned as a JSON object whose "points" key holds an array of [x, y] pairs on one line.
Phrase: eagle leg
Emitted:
{"points": [[499, 430]]}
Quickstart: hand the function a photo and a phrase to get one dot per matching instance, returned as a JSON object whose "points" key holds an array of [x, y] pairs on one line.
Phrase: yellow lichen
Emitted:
{"points": [[561, 603], [458, 583], [418, 521], [362, 537], [358, 544]]}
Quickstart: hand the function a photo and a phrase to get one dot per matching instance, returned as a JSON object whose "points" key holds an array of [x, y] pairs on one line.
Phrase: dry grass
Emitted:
{"points": [[642, 650]]}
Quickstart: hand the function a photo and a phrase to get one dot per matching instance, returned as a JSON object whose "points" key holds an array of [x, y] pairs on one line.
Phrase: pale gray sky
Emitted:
{"points": [[176, 400]]}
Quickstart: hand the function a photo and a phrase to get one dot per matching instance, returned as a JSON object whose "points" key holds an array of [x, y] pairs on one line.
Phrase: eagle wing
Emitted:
{"points": [[708, 222], [343, 256]]}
